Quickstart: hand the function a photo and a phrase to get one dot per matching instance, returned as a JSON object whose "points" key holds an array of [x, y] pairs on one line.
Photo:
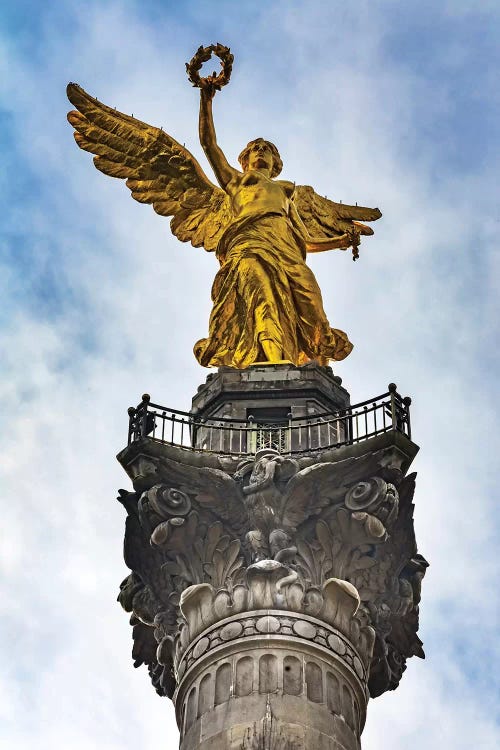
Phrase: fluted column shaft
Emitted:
{"points": [[271, 679]]}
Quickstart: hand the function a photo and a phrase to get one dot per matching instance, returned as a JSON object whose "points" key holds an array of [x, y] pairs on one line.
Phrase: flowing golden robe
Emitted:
{"points": [[265, 290]]}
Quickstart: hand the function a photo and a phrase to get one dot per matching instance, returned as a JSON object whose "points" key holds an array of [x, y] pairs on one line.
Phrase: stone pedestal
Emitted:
{"points": [[272, 592], [261, 391]]}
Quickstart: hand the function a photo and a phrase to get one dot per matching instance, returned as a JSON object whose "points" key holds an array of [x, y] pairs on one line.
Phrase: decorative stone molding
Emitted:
{"points": [[274, 625]]}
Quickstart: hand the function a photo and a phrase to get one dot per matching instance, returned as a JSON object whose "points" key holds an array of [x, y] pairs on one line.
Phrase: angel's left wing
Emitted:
{"points": [[157, 169], [325, 218]]}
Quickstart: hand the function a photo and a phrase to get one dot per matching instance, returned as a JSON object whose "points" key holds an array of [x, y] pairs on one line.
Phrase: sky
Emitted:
{"points": [[389, 104]]}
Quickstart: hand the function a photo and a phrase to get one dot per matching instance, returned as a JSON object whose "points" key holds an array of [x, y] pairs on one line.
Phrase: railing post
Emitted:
{"points": [[132, 412], [194, 427], [392, 388], [348, 427], [407, 402], [250, 435], [146, 398]]}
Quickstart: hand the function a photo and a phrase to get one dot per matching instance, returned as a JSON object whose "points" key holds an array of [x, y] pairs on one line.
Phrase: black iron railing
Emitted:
{"points": [[298, 435]]}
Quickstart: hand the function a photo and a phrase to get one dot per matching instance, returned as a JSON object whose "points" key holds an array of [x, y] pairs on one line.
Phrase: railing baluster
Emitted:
{"points": [[131, 424], [407, 403], [146, 398], [348, 428], [392, 390], [250, 435]]}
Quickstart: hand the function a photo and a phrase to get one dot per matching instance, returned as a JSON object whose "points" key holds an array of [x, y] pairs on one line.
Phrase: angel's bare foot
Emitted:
{"points": [[272, 351]]}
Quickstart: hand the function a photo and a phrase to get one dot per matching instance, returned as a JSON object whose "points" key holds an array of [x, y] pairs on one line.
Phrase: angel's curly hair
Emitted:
{"points": [[277, 162]]}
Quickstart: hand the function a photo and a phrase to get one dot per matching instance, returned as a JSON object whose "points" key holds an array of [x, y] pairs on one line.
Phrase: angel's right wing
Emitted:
{"points": [[158, 170]]}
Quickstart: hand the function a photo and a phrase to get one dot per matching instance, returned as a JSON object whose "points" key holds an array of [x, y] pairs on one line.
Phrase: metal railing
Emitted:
{"points": [[298, 435]]}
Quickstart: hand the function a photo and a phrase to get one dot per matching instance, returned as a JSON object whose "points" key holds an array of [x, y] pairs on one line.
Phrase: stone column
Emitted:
{"points": [[271, 595], [271, 678]]}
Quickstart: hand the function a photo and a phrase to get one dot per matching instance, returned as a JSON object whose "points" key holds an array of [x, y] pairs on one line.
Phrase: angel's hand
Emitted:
{"points": [[345, 239], [207, 89], [354, 237]]}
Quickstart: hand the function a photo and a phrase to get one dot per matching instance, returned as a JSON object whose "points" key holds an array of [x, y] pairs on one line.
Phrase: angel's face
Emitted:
{"points": [[260, 156]]}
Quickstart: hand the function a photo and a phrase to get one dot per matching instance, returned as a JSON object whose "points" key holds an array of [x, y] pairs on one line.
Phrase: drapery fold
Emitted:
{"points": [[265, 290]]}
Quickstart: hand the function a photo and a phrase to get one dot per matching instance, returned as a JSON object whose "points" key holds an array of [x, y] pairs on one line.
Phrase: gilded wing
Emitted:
{"points": [[158, 170], [325, 218]]}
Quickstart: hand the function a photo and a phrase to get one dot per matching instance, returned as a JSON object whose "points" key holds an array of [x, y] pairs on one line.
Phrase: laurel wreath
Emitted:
{"points": [[203, 55]]}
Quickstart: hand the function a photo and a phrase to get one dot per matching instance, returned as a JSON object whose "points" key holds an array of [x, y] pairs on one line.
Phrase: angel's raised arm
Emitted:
{"points": [[222, 169]]}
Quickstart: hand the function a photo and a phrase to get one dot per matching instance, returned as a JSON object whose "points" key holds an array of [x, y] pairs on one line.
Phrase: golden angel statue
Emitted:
{"points": [[267, 305]]}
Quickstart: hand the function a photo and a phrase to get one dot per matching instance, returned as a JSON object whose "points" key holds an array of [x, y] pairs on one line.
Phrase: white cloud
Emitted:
{"points": [[352, 122]]}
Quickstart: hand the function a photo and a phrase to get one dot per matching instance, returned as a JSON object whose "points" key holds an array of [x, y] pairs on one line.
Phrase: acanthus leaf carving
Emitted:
{"points": [[394, 612], [344, 545]]}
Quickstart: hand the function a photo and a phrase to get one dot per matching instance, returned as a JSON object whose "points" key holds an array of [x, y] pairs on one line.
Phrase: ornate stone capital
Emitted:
{"points": [[323, 552]]}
